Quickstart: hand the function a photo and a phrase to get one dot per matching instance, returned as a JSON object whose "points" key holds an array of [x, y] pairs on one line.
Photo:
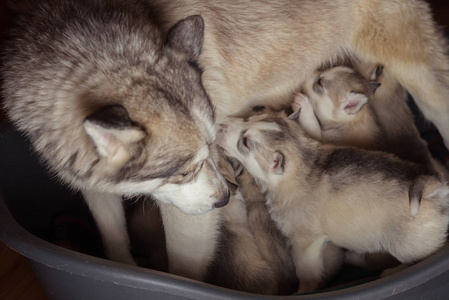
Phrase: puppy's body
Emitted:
{"points": [[335, 109], [251, 254], [356, 199]]}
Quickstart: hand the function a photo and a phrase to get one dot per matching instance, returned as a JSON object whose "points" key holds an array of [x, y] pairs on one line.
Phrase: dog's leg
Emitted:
{"points": [[191, 240], [408, 43], [107, 210]]}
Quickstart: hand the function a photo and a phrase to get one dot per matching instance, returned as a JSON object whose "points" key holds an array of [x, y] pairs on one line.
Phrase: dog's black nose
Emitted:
{"points": [[223, 201]]}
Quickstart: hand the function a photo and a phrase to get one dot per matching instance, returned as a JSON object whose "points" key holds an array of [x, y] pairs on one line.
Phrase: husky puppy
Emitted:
{"points": [[251, 254], [377, 118], [333, 108], [357, 199], [108, 102], [339, 106]]}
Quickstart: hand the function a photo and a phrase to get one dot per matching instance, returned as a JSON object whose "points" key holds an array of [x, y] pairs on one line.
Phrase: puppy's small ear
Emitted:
{"points": [[354, 103], [278, 163], [186, 36], [113, 133]]}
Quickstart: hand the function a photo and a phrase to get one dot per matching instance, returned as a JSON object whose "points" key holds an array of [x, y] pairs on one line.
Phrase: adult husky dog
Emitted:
{"points": [[108, 106], [114, 110]]}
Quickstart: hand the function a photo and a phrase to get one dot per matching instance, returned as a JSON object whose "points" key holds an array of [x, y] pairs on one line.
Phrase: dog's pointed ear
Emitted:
{"points": [[113, 133], [354, 102], [278, 163], [186, 37]]}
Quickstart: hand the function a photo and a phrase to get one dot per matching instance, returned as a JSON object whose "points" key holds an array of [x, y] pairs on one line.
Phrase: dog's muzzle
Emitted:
{"points": [[223, 201]]}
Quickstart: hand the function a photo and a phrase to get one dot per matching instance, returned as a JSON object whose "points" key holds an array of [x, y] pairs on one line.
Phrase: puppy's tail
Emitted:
{"points": [[440, 194]]}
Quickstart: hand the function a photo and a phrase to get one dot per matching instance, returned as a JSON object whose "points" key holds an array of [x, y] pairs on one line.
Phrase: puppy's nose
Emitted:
{"points": [[223, 201]]}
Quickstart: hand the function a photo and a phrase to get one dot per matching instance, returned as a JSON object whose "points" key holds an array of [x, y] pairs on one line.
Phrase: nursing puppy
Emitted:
{"points": [[333, 108], [251, 254], [108, 102], [357, 199], [343, 107]]}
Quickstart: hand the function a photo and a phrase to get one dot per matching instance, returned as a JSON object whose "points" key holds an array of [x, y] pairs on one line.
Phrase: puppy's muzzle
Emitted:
{"points": [[223, 201]]}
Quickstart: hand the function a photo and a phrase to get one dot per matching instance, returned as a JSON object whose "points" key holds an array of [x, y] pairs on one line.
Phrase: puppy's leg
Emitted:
{"points": [[107, 210], [308, 257], [407, 42]]}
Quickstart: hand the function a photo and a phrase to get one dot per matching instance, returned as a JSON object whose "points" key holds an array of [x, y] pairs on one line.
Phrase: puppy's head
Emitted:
{"points": [[266, 145], [338, 94]]}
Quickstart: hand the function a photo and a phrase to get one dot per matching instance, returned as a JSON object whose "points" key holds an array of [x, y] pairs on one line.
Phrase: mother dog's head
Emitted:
{"points": [[155, 139]]}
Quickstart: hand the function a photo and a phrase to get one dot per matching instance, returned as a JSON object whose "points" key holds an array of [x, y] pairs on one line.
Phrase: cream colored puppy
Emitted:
{"points": [[357, 199], [333, 109]]}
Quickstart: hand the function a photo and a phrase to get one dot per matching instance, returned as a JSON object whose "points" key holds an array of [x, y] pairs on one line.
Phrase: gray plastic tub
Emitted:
{"points": [[29, 201]]}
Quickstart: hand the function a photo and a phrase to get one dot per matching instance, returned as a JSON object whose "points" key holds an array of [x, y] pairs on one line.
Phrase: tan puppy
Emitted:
{"points": [[333, 110], [251, 254], [354, 198]]}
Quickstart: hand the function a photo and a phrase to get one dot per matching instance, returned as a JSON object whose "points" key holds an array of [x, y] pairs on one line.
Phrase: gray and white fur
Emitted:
{"points": [[107, 102]]}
